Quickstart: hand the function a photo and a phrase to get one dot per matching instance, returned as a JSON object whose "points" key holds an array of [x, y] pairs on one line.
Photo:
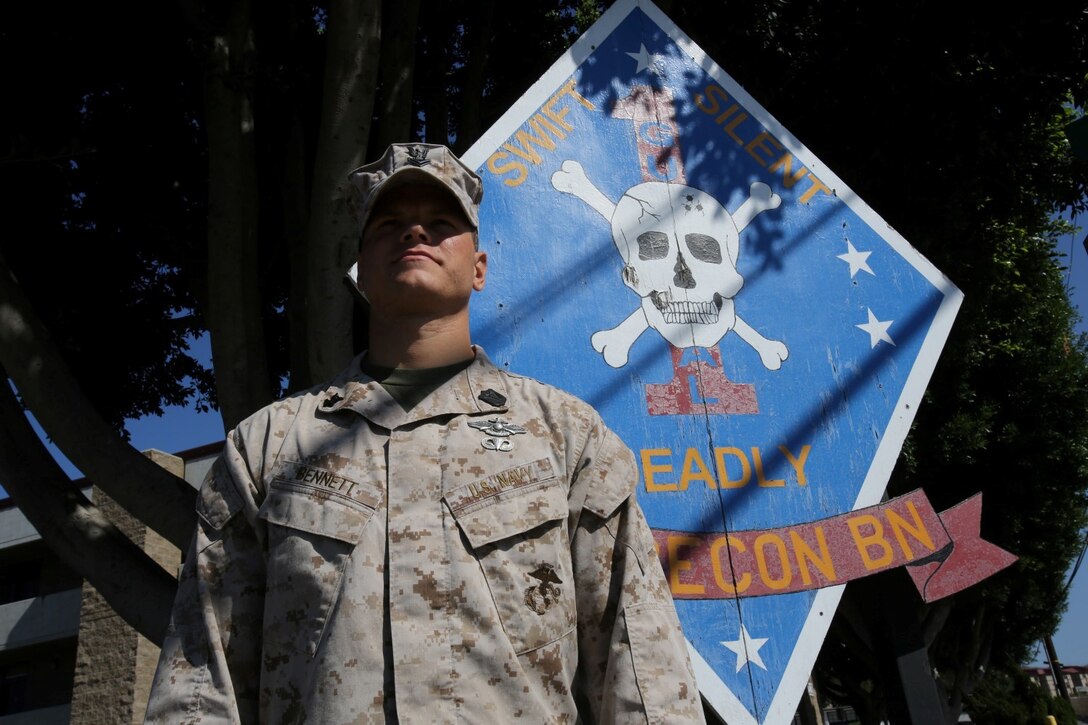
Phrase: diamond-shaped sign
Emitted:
{"points": [[662, 247]]}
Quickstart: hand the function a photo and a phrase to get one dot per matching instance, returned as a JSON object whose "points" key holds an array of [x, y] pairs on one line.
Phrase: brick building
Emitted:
{"points": [[65, 656], [1075, 676], [1076, 684]]}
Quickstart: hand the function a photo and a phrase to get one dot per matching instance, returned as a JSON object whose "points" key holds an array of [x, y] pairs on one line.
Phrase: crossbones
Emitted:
{"points": [[687, 297]]}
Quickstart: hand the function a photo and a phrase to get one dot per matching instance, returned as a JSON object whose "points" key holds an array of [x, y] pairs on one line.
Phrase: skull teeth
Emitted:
{"points": [[684, 312]]}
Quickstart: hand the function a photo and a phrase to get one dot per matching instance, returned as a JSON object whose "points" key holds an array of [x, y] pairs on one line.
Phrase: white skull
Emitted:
{"points": [[680, 249]]}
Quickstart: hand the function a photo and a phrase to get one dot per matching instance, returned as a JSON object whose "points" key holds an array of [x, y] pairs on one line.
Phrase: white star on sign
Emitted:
{"points": [[646, 60], [856, 260], [878, 331], [747, 648]]}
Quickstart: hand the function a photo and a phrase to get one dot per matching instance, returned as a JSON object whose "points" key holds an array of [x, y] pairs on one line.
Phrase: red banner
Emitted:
{"points": [[943, 552]]}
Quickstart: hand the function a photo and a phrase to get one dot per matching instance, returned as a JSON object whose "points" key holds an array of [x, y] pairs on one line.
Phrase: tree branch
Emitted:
{"points": [[137, 588], [159, 499]]}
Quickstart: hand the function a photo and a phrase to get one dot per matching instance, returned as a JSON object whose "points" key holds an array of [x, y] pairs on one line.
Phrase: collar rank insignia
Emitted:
{"points": [[493, 398], [417, 156], [332, 400]]}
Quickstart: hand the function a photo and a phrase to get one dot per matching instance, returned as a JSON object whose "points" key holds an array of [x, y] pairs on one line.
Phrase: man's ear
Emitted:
{"points": [[480, 276]]}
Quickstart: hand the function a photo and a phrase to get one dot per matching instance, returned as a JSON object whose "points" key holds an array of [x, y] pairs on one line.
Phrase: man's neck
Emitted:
{"points": [[419, 344]]}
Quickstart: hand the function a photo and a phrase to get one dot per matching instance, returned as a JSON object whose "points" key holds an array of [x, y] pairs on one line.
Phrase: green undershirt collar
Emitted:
{"points": [[410, 386]]}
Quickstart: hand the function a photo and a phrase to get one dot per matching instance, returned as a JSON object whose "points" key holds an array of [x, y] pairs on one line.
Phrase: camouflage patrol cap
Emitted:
{"points": [[406, 163]]}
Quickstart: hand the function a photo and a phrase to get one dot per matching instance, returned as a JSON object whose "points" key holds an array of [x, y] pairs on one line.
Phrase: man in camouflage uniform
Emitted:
{"points": [[426, 538]]}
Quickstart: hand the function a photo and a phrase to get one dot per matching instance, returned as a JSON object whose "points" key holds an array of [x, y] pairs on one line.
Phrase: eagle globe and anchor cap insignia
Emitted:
{"points": [[417, 156], [753, 331]]}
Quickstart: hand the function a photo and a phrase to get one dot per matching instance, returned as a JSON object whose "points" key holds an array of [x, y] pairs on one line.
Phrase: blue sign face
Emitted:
{"points": [[664, 249]]}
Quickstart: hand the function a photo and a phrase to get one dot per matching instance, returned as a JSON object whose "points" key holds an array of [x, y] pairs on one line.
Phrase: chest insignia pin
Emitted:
{"points": [[498, 433]]}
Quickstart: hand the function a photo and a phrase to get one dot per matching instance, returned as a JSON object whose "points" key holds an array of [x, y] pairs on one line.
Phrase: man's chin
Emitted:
{"points": [[418, 303]]}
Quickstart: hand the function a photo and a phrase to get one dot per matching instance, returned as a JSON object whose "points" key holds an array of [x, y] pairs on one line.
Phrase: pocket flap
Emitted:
{"points": [[508, 503], [315, 511]]}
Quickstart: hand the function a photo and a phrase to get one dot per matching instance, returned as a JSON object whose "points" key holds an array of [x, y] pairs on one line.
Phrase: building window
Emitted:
{"points": [[20, 581], [13, 688]]}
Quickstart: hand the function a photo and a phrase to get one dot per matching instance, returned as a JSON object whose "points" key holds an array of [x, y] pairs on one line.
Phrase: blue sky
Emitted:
{"points": [[1071, 639], [178, 429]]}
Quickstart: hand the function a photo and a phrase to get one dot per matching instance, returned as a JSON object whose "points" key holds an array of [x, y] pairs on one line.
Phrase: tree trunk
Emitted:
{"points": [[974, 661], [295, 214], [49, 390], [469, 126], [234, 313], [400, 19], [434, 68], [137, 588], [436, 102], [332, 239]]}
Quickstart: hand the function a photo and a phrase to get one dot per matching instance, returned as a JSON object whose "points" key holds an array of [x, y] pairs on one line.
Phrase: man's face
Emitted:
{"points": [[418, 254]]}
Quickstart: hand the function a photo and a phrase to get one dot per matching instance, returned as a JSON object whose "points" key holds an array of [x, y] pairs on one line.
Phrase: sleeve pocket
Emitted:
{"points": [[660, 658]]}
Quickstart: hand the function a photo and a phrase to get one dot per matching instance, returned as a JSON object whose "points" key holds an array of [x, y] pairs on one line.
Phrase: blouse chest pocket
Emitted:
{"points": [[311, 536], [514, 522]]}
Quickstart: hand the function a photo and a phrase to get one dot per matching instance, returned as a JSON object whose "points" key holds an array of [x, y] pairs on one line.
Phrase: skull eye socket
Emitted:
{"points": [[653, 245], [704, 248]]}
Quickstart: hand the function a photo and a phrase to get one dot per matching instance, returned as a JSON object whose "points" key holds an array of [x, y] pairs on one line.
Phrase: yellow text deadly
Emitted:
{"points": [[664, 469]]}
